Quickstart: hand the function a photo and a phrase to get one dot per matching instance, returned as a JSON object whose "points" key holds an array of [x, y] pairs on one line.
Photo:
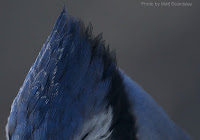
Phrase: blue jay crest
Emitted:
{"points": [[75, 91]]}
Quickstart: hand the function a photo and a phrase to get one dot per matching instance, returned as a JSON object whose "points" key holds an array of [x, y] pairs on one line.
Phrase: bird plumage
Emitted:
{"points": [[75, 90]]}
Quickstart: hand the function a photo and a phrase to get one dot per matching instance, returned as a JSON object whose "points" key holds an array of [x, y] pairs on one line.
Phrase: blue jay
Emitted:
{"points": [[75, 91]]}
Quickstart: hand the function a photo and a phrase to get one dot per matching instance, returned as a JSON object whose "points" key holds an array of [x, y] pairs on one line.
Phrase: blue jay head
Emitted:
{"points": [[75, 91]]}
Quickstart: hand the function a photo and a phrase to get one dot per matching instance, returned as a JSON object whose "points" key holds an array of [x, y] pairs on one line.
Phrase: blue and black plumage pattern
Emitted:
{"points": [[66, 86], [75, 91]]}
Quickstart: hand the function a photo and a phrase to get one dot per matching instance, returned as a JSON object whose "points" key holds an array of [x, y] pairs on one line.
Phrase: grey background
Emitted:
{"points": [[157, 47]]}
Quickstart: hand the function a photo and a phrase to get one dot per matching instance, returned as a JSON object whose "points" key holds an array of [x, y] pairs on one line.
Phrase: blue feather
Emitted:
{"points": [[74, 90], [64, 87]]}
